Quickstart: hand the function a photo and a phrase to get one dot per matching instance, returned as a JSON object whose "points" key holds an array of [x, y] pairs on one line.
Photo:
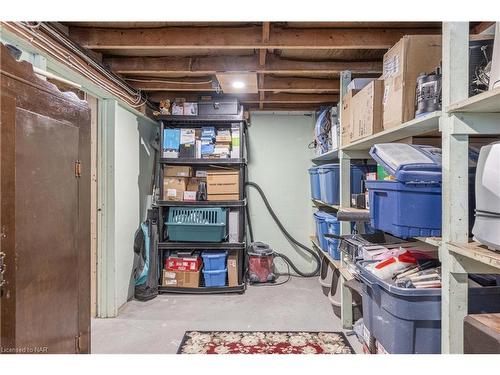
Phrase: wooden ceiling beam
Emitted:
{"points": [[214, 64], [243, 37], [271, 84], [266, 29], [269, 98]]}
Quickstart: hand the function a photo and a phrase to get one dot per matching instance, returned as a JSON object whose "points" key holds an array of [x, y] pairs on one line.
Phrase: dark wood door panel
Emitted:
{"points": [[45, 213], [47, 207]]}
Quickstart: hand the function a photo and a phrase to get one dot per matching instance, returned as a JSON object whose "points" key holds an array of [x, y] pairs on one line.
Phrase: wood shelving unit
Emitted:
{"points": [[164, 245], [461, 117]]}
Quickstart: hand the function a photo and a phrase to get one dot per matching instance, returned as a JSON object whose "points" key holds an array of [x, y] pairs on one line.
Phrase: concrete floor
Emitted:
{"points": [[158, 326]]}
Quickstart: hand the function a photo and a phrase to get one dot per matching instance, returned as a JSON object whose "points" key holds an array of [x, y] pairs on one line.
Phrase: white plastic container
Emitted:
{"points": [[487, 224]]}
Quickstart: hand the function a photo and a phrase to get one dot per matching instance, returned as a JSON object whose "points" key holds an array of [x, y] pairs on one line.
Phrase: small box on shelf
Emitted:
{"points": [[181, 279]]}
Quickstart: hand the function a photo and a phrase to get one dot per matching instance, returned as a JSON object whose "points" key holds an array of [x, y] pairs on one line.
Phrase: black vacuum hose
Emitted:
{"points": [[285, 233]]}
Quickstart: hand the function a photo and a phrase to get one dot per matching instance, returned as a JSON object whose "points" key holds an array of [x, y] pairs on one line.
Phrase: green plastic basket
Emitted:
{"points": [[197, 224]]}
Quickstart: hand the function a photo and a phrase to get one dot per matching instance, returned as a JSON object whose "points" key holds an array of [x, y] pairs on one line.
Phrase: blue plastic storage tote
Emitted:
{"points": [[405, 210], [314, 181], [333, 248], [214, 260], [322, 228], [408, 321], [410, 205], [215, 278], [332, 243], [329, 180]]}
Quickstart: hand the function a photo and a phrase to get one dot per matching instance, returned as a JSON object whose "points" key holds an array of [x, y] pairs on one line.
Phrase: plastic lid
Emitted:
{"points": [[409, 163], [214, 254], [323, 215], [328, 166]]}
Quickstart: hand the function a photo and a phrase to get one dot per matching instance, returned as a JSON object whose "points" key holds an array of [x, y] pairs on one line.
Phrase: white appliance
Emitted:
{"points": [[495, 60], [487, 224]]}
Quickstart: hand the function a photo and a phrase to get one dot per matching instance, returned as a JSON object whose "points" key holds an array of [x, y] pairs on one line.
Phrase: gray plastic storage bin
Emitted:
{"points": [[408, 321]]}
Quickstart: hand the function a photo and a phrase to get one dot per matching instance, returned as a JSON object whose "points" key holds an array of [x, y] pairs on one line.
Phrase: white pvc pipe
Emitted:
{"points": [[57, 78]]}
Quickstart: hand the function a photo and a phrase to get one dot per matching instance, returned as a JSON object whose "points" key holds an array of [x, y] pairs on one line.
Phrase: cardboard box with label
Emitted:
{"points": [[347, 125], [412, 55], [181, 279], [223, 184], [174, 188], [366, 110], [177, 171], [232, 268]]}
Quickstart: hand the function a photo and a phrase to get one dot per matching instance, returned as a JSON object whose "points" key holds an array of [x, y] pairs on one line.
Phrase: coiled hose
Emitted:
{"points": [[285, 233]]}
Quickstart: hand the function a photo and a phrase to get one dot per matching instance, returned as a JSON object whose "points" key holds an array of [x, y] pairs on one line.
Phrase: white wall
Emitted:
{"points": [[278, 161], [133, 168]]}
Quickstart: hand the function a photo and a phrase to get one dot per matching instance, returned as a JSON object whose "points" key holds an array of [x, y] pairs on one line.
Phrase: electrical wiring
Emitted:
{"points": [[147, 80], [32, 33]]}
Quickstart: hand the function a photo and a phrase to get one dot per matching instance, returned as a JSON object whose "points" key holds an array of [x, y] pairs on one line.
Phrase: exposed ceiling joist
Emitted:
{"points": [[213, 64], [243, 37], [271, 84], [269, 98]]}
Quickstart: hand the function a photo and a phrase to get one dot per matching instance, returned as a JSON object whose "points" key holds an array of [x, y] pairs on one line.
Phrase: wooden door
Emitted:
{"points": [[45, 214]]}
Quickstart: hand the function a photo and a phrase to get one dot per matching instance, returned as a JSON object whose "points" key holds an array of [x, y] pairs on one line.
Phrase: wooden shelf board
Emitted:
{"points": [[319, 203], [327, 156], [486, 102], [477, 252], [434, 241], [419, 126]]}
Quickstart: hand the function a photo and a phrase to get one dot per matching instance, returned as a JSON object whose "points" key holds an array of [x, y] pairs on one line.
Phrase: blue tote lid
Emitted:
{"points": [[414, 163], [409, 163]]}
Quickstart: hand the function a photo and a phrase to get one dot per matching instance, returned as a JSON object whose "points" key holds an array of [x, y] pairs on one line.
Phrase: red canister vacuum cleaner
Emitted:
{"points": [[260, 263]]}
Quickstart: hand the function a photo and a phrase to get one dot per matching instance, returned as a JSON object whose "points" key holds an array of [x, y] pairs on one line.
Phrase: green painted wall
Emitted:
{"points": [[278, 162], [133, 168]]}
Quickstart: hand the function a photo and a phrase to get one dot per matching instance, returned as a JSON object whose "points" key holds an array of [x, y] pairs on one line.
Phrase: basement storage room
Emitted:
{"points": [[250, 187]]}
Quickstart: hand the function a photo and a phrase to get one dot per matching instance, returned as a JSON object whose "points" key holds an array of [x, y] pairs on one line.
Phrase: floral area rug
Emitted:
{"points": [[261, 342]]}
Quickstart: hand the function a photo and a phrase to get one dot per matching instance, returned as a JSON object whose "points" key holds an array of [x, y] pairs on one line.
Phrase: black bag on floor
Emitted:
{"points": [[146, 258]]}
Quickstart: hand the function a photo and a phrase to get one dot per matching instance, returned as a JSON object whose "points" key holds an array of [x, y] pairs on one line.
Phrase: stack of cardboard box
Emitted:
{"points": [[175, 179], [182, 271], [371, 106], [223, 185]]}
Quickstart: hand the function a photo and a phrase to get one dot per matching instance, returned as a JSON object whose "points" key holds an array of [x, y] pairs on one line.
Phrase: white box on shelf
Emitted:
{"points": [[234, 229]]}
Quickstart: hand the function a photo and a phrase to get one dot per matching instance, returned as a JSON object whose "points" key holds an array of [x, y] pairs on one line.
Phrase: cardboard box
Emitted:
{"points": [[223, 197], [412, 55], [177, 171], [190, 196], [174, 188], [346, 119], [177, 109], [223, 182], [190, 109], [225, 138], [181, 279], [232, 268], [194, 183], [367, 113]]}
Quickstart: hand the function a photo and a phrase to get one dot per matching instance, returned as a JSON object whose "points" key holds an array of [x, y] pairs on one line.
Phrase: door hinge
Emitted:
{"points": [[78, 169], [78, 343]]}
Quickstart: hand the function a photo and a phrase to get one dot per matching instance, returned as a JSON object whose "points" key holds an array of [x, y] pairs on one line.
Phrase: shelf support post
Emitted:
{"points": [[455, 200], [345, 201]]}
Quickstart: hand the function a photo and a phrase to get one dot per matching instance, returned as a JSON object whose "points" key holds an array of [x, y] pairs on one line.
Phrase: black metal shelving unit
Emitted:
{"points": [[240, 163]]}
